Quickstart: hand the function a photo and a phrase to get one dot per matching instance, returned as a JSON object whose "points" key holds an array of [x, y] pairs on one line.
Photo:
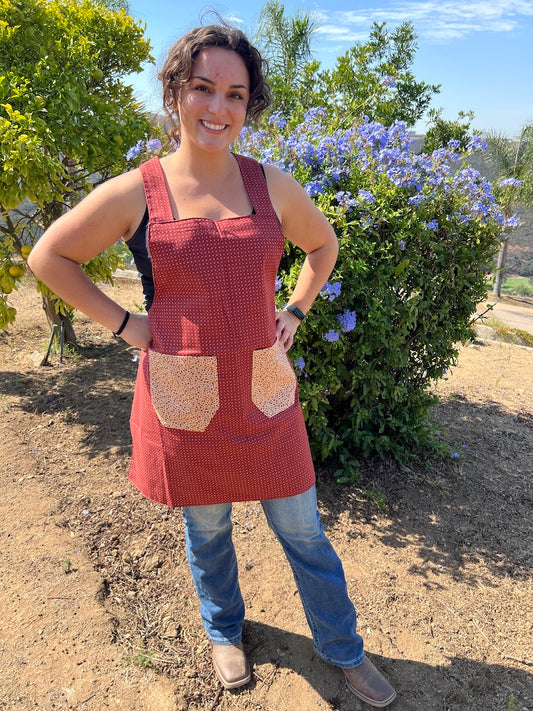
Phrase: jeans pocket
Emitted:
{"points": [[273, 380], [184, 390]]}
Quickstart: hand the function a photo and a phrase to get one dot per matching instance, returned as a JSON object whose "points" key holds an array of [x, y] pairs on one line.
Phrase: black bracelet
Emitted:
{"points": [[122, 325], [296, 311]]}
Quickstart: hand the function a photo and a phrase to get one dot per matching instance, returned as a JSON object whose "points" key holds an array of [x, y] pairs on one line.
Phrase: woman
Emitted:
{"points": [[216, 417]]}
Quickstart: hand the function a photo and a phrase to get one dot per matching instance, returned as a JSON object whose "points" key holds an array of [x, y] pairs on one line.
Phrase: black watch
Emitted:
{"points": [[296, 311]]}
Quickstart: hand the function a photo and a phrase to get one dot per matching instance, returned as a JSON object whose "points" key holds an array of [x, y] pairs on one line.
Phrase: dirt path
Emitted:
{"points": [[98, 610]]}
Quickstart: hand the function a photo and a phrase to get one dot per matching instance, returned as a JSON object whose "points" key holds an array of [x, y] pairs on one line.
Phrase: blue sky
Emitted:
{"points": [[479, 51]]}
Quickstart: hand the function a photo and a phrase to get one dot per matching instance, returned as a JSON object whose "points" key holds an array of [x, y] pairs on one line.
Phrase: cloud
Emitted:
{"points": [[433, 20], [235, 20]]}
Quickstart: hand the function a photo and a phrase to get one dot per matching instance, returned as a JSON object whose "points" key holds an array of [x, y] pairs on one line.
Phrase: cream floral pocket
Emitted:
{"points": [[273, 380], [184, 390]]}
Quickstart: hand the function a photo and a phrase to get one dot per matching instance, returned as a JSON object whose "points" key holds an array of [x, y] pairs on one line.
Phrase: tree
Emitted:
{"points": [[511, 166], [442, 131], [374, 79], [286, 44], [66, 116]]}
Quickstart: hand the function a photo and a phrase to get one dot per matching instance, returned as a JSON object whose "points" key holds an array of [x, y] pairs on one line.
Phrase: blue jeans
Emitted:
{"points": [[316, 567]]}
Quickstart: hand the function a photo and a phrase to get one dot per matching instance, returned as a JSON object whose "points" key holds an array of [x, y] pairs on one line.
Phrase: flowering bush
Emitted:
{"points": [[417, 235]]}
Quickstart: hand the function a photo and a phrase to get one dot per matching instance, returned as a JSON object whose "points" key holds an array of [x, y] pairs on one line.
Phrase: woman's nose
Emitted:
{"points": [[216, 103]]}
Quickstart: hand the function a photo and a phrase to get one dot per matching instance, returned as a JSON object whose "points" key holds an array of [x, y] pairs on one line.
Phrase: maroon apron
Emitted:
{"points": [[216, 416]]}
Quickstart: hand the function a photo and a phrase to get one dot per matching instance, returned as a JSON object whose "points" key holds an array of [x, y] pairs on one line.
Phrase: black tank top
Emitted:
{"points": [[139, 249]]}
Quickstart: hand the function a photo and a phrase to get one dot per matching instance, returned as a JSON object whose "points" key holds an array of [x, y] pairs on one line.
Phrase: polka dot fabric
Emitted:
{"points": [[216, 416]]}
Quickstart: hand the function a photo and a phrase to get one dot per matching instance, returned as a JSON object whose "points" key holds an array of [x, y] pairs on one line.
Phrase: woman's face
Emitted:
{"points": [[212, 106]]}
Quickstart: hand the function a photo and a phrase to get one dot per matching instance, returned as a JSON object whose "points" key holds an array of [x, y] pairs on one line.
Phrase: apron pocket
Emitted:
{"points": [[184, 390], [273, 380]]}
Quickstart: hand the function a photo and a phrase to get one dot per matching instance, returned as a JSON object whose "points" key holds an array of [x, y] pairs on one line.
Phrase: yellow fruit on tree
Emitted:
{"points": [[25, 250], [16, 271]]}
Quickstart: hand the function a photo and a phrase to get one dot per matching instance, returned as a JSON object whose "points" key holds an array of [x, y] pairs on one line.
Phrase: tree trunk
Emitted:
{"points": [[500, 268], [59, 319]]}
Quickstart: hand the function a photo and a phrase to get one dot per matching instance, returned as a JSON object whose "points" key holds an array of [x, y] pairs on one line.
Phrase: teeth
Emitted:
{"points": [[214, 126]]}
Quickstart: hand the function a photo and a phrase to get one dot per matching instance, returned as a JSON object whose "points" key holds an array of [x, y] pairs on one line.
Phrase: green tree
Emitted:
{"points": [[66, 116], [511, 169], [286, 44], [374, 79], [441, 131]]}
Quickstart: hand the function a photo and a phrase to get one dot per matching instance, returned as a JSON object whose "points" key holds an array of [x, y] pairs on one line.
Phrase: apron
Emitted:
{"points": [[215, 415]]}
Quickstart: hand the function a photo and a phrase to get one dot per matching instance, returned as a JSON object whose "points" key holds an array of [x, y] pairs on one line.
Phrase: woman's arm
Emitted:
{"points": [[305, 226], [111, 211]]}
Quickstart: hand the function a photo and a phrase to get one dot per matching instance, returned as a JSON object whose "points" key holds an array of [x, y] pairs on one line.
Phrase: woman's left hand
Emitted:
{"points": [[286, 326]]}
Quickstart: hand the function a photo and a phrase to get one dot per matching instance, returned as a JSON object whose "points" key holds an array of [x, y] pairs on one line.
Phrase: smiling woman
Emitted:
{"points": [[177, 70], [216, 416]]}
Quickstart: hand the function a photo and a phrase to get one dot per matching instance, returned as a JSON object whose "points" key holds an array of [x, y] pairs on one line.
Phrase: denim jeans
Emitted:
{"points": [[316, 567]]}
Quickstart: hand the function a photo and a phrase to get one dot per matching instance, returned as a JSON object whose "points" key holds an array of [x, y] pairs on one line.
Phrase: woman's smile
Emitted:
{"points": [[213, 126]]}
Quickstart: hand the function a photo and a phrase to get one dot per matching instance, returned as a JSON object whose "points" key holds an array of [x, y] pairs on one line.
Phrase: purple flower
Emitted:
{"points": [[154, 144], [279, 283], [401, 244], [476, 143], [331, 336], [454, 144], [345, 199], [510, 183], [299, 363], [431, 225], [277, 120], [315, 187], [331, 290], [366, 196], [347, 321], [135, 150], [513, 221], [455, 455]]}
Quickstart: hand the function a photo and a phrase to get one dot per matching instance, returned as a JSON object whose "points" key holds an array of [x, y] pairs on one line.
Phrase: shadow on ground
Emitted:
{"points": [[475, 506], [459, 686]]}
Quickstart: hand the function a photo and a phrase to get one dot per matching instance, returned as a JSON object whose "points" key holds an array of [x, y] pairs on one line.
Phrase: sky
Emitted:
{"points": [[480, 52]]}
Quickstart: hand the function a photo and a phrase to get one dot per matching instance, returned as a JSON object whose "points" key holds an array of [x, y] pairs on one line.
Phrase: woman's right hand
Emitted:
{"points": [[137, 331]]}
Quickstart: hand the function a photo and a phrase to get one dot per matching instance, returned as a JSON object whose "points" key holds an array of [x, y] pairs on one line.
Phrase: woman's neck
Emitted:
{"points": [[203, 166]]}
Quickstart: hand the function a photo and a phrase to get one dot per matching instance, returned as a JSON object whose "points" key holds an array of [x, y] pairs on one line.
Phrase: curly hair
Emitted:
{"points": [[177, 69]]}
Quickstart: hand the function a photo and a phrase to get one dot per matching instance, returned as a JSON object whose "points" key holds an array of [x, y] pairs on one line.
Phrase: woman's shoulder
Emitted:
{"points": [[284, 190]]}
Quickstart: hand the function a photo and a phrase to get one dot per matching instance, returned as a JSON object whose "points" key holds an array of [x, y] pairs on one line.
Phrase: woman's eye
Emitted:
{"points": [[201, 87]]}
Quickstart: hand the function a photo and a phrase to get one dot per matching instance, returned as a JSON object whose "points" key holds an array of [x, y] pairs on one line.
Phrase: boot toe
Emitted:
{"points": [[231, 665], [369, 684]]}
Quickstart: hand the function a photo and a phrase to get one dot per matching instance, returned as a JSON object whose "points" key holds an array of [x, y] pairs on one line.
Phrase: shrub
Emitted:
{"points": [[417, 236]]}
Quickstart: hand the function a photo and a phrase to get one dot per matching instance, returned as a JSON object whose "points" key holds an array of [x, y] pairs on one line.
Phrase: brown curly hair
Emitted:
{"points": [[177, 69]]}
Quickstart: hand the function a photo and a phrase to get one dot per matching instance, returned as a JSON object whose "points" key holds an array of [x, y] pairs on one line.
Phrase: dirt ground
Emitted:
{"points": [[98, 610]]}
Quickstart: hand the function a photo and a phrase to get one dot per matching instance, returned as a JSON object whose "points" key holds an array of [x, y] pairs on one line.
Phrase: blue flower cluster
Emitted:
{"points": [[510, 183], [327, 157], [347, 320], [332, 291], [331, 336], [154, 144], [300, 364]]}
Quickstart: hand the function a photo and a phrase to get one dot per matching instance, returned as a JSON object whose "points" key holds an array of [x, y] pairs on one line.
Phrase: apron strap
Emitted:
{"points": [[256, 185], [156, 192]]}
